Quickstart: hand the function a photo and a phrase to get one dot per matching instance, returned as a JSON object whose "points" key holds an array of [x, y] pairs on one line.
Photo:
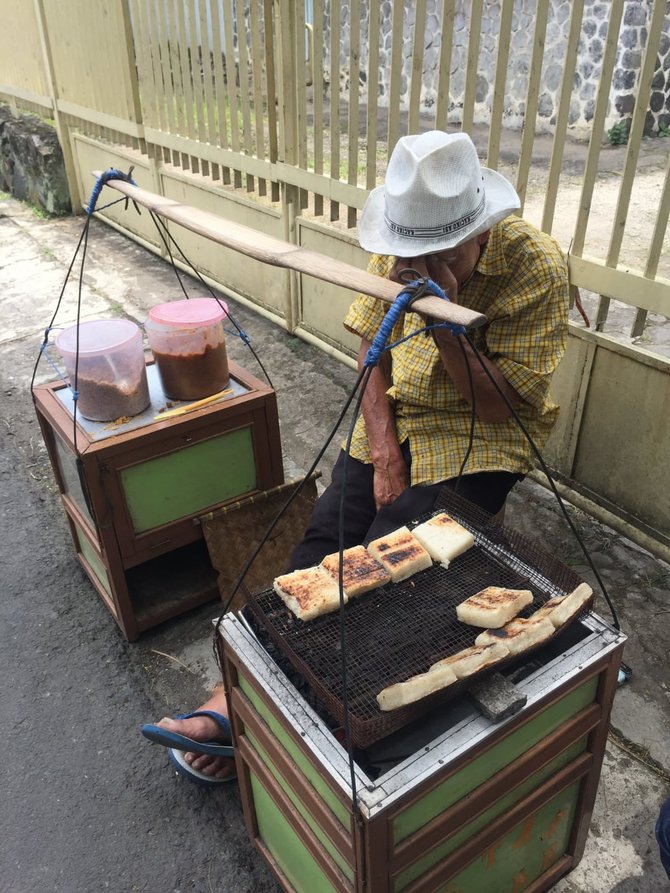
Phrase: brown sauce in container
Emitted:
{"points": [[194, 375], [104, 401]]}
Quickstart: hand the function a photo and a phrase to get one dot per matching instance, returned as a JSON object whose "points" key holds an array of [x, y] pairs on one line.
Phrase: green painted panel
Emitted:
{"points": [[492, 761], [338, 809], [438, 853], [290, 853], [323, 838], [524, 854], [92, 558], [189, 480]]}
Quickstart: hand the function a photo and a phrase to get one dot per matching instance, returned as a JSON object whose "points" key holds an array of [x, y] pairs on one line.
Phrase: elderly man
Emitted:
{"points": [[442, 215]]}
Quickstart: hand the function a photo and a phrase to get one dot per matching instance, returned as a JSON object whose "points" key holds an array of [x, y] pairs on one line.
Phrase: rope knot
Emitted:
{"points": [[111, 174], [411, 293]]}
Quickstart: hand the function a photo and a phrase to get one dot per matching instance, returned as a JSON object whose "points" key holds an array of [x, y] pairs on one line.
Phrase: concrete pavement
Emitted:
{"points": [[88, 805]]}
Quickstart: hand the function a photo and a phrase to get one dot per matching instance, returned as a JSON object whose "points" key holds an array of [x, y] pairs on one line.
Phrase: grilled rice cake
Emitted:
{"points": [[360, 571], [400, 694], [563, 608], [443, 538], [493, 607], [309, 593], [519, 635], [401, 554], [471, 660]]}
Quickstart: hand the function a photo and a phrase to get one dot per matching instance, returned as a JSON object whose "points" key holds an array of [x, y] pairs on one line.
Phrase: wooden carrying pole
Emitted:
{"points": [[278, 253]]}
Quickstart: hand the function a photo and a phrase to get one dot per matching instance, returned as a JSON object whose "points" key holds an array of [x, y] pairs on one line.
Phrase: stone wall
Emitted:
{"points": [[31, 162], [632, 40]]}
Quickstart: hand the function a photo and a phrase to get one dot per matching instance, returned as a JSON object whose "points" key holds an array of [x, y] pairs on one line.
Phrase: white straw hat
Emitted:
{"points": [[436, 195]]}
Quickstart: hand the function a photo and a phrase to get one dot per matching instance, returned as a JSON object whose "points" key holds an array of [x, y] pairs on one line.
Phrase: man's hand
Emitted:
{"points": [[390, 480], [450, 268]]}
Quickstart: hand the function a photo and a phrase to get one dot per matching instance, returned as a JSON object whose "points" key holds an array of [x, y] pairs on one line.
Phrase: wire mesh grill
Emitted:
{"points": [[399, 630]]}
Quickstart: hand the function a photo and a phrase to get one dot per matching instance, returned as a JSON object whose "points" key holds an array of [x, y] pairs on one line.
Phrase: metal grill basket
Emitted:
{"points": [[399, 630]]}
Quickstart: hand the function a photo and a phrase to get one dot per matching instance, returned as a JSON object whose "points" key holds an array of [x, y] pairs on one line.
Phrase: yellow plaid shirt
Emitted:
{"points": [[521, 285]]}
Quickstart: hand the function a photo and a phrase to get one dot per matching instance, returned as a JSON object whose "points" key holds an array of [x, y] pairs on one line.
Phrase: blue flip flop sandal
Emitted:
{"points": [[173, 740]]}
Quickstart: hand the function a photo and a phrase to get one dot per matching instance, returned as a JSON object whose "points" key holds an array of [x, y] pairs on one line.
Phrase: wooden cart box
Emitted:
{"points": [[477, 807], [133, 490]]}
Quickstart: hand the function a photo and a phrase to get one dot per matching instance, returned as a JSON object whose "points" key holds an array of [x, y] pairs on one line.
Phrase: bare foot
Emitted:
{"points": [[204, 728]]}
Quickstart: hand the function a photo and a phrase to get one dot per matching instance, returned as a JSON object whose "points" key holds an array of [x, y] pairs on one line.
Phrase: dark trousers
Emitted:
{"points": [[362, 521]]}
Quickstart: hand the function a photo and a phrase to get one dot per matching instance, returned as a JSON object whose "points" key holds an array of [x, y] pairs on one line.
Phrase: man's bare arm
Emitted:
{"points": [[489, 405], [391, 472]]}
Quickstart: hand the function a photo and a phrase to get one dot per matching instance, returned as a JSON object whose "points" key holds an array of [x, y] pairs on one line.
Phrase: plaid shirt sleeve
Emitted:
{"points": [[367, 313], [527, 334]]}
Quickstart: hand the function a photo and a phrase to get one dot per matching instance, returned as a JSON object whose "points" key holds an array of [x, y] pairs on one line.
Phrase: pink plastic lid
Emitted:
{"points": [[193, 312], [97, 336]]}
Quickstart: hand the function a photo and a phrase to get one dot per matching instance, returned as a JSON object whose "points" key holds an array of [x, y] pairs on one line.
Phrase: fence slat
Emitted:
{"points": [[174, 93], [243, 62], [144, 55], [397, 59], [232, 74], [471, 66], [170, 86], [207, 68], [633, 147], [561, 127], [416, 79], [532, 100], [257, 72], [597, 127], [446, 46], [301, 94], [354, 79], [335, 26], [187, 81], [636, 131], [498, 105], [197, 65], [655, 249], [373, 96], [269, 43], [219, 87], [317, 93]]}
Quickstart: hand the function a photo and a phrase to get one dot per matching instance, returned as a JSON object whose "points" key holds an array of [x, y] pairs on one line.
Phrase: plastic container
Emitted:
{"points": [[188, 343], [111, 375]]}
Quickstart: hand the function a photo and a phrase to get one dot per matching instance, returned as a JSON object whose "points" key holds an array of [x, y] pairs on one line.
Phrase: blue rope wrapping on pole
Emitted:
{"points": [[111, 174], [410, 293]]}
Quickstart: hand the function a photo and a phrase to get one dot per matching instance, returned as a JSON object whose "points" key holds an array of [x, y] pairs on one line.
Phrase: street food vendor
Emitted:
{"points": [[442, 215]]}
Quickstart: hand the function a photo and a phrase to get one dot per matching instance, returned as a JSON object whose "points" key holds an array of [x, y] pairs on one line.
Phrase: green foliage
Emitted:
{"points": [[663, 129], [618, 134]]}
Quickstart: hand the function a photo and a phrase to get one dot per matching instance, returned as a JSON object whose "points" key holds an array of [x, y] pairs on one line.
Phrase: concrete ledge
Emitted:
{"points": [[31, 162]]}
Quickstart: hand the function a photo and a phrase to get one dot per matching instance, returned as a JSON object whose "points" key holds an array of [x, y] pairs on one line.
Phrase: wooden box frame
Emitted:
{"points": [[296, 789], [112, 551]]}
